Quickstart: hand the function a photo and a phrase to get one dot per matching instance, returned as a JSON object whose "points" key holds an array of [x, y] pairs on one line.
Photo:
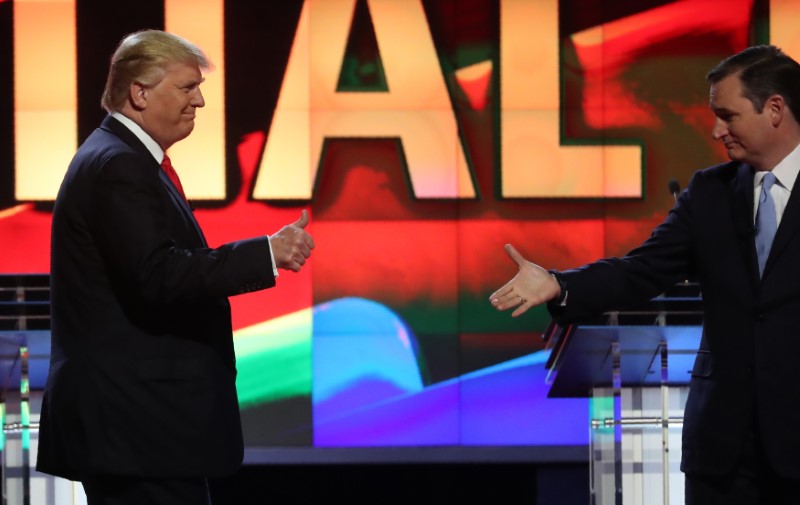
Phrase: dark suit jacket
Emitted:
{"points": [[748, 363], [142, 371]]}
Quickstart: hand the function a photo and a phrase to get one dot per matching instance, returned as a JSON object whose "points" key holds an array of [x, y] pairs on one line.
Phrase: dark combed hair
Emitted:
{"points": [[764, 71]]}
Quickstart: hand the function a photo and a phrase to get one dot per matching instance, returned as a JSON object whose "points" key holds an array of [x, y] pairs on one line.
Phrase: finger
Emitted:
{"points": [[293, 265], [303, 221], [309, 241], [510, 301], [495, 297], [301, 248], [522, 309], [506, 301], [515, 255]]}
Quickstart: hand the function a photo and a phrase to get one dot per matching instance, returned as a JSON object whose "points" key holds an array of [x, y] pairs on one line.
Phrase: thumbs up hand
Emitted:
{"points": [[292, 244], [532, 286]]}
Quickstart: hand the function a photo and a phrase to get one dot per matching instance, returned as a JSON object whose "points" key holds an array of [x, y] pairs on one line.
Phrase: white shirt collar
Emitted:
{"points": [[786, 171], [146, 139]]}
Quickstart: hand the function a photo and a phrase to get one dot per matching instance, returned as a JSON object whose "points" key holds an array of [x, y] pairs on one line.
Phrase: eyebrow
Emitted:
{"points": [[190, 82], [720, 110]]}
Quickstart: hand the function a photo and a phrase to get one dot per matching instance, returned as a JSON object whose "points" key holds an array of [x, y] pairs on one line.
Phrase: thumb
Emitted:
{"points": [[515, 255], [303, 221]]}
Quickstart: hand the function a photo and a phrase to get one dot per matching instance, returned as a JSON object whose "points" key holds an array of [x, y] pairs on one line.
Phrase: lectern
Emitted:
{"points": [[635, 365], [24, 361]]}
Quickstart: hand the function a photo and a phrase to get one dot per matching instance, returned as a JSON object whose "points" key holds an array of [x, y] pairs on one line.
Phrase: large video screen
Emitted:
{"points": [[421, 136]]}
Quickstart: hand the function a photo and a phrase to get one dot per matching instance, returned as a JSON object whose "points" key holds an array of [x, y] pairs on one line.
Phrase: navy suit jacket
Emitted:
{"points": [[746, 368], [142, 371]]}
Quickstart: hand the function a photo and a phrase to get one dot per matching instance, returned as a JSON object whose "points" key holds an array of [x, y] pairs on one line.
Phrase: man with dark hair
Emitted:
{"points": [[140, 403], [764, 71], [735, 229]]}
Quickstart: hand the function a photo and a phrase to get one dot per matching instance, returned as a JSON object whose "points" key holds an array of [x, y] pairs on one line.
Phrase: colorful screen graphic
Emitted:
{"points": [[422, 136]]}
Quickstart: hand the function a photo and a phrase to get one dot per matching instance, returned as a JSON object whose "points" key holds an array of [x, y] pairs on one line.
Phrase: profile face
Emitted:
{"points": [[746, 133], [171, 105]]}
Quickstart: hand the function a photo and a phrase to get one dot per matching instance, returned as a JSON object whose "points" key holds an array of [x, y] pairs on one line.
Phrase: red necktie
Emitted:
{"points": [[172, 174]]}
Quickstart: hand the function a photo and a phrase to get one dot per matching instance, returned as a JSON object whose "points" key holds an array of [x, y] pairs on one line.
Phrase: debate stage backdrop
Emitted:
{"points": [[422, 136]]}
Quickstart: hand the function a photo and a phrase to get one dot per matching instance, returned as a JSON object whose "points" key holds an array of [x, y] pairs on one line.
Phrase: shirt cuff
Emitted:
{"points": [[272, 258]]}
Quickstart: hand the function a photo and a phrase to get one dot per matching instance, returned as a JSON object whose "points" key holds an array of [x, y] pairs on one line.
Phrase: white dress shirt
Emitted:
{"points": [[785, 174]]}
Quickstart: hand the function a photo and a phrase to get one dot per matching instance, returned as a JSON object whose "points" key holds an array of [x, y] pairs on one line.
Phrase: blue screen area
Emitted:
{"points": [[368, 390]]}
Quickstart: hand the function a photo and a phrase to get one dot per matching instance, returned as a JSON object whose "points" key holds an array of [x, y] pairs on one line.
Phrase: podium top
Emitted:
{"points": [[581, 356]]}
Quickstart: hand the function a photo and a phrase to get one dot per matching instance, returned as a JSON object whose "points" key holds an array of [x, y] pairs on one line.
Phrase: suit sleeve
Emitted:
{"points": [[148, 247], [665, 258]]}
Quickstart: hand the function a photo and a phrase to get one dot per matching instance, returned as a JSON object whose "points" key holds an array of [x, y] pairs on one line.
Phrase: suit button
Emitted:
{"points": [[760, 318]]}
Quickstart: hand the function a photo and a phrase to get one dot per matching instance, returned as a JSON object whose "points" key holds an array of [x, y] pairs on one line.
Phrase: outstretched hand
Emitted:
{"points": [[533, 285], [291, 245]]}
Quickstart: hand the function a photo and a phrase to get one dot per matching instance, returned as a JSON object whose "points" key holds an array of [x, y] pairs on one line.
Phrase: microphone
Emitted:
{"points": [[674, 188]]}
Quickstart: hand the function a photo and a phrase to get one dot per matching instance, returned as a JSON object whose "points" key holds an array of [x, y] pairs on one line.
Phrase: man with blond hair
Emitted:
{"points": [[140, 403]]}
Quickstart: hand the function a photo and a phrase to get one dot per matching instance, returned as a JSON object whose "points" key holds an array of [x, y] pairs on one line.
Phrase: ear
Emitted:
{"points": [[775, 106], [138, 95]]}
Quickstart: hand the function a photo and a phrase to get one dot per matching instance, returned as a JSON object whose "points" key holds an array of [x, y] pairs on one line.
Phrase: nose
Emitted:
{"points": [[197, 99], [719, 130]]}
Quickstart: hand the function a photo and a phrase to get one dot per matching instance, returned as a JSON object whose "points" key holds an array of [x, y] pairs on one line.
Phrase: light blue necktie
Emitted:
{"points": [[766, 221]]}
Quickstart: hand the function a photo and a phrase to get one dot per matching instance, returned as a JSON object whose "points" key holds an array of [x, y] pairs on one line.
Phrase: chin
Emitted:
{"points": [[736, 155], [186, 132]]}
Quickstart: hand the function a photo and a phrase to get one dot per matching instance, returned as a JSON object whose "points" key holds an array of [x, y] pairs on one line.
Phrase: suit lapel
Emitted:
{"points": [[182, 204], [742, 205], [132, 140]]}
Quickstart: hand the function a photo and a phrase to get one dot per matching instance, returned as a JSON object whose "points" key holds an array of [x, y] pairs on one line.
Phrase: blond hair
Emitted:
{"points": [[143, 57]]}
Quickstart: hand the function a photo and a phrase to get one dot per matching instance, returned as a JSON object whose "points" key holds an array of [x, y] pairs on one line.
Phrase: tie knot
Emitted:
{"points": [[165, 162], [768, 180]]}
